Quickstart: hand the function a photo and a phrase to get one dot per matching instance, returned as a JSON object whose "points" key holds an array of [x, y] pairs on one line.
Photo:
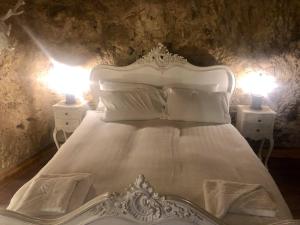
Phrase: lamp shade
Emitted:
{"points": [[257, 84], [68, 80]]}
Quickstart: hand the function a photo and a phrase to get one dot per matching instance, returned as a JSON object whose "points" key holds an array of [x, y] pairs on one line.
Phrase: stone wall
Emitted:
{"points": [[242, 34]]}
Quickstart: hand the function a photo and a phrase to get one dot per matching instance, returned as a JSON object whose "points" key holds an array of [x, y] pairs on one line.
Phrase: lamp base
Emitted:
{"points": [[256, 102], [70, 99]]}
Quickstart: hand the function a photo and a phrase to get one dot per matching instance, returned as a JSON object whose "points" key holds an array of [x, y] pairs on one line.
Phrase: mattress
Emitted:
{"points": [[174, 156]]}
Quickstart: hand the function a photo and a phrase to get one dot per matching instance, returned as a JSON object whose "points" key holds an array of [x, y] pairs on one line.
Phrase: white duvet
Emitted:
{"points": [[174, 156]]}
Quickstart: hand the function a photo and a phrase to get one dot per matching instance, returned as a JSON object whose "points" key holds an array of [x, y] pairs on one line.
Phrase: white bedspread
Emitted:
{"points": [[174, 156]]}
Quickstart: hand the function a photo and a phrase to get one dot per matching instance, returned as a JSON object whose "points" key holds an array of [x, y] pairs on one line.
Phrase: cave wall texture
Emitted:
{"points": [[242, 34]]}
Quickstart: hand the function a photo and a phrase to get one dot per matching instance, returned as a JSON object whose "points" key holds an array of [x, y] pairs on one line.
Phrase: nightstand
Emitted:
{"points": [[67, 118], [257, 125]]}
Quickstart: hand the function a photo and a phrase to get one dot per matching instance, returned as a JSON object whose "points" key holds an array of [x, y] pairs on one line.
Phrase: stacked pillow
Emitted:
{"points": [[197, 105], [130, 101]]}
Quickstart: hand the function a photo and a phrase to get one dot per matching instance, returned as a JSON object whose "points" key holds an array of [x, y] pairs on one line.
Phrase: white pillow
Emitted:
{"points": [[198, 106], [138, 104], [105, 85]]}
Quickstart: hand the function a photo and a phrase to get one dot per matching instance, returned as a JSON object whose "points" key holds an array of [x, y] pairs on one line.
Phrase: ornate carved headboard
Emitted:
{"points": [[160, 67]]}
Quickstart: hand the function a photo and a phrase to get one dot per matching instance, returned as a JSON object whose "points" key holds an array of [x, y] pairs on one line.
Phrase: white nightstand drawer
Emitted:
{"points": [[68, 125], [257, 132], [68, 114], [259, 118]]}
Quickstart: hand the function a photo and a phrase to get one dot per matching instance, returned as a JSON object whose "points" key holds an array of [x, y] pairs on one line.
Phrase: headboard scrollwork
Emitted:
{"points": [[160, 67], [161, 57]]}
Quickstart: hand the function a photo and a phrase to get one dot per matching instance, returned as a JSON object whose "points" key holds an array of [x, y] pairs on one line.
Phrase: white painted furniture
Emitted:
{"points": [[139, 204], [160, 68], [257, 125], [67, 118]]}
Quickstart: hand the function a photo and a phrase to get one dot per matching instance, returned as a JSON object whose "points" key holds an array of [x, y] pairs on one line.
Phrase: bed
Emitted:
{"points": [[166, 162]]}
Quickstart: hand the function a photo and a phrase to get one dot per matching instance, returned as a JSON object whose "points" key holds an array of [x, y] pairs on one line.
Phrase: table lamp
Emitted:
{"points": [[72, 81], [258, 85]]}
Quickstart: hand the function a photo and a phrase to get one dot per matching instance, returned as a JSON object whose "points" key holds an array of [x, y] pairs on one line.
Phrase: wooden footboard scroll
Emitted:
{"points": [[140, 204]]}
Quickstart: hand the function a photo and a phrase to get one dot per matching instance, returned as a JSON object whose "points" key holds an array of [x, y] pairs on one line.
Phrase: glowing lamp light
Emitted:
{"points": [[259, 85], [73, 81]]}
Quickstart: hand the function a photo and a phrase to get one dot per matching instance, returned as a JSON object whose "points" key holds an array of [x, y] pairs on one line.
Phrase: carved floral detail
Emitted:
{"points": [[161, 57], [143, 204], [106, 207]]}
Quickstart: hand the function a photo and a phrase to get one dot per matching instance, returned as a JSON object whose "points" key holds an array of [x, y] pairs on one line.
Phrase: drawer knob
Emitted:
{"points": [[259, 120], [257, 130], [67, 123], [66, 114]]}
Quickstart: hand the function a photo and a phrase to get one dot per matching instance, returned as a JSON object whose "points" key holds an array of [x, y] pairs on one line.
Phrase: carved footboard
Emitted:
{"points": [[140, 204]]}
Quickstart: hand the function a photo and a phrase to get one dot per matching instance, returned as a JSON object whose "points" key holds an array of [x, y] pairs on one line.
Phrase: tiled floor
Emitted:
{"points": [[286, 173]]}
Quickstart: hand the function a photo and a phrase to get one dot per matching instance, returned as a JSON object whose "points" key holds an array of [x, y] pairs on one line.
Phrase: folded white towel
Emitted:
{"points": [[222, 197], [53, 194]]}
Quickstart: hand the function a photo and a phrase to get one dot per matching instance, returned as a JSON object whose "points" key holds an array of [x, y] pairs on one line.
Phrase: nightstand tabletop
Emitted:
{"points": [[62, 104], [264, 110]]}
